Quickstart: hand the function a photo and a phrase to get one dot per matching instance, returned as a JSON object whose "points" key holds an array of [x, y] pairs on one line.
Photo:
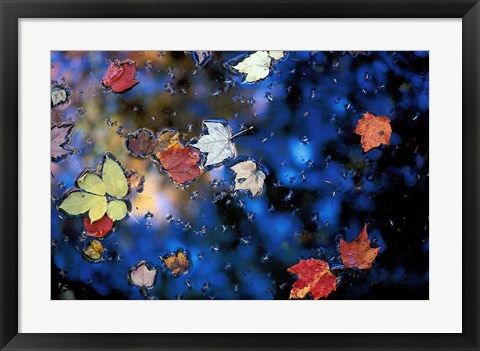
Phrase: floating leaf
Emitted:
{"points": [[277, 55], [94, 251], [177, 264], [117, 210], [373, 130], [358, 253], [315, 277], [115, 180], [91, 183], [100, 228], [249, 177], [79, 202], [92, 196], [181, 162], [59, 95], [141, 143], [135, 181], [120, 76], [142, 276], [217, 144], [201, 57], [59, 138], [257, 65], [166, 139]]}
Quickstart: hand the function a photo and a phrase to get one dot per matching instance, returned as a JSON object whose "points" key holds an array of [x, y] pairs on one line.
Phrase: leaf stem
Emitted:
{"points": [[241, 132]]}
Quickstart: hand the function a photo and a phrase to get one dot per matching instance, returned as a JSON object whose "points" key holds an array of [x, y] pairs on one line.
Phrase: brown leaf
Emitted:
{"points": [[373, 130], [141, 143], [181, 162], [165, 138], [358, 253], [177, 264], [315, 277]]}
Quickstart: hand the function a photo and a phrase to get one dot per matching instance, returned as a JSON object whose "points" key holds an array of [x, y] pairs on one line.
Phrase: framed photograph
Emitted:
{"points": [[239, 175]]}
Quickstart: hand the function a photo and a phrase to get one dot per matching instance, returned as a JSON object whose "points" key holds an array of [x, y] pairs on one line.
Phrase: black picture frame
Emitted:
{"points": [[12, 11]]}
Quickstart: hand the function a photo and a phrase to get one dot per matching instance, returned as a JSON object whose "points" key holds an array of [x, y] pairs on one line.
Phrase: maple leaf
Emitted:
{"points": [[181, 162], [60, 135], [141, 143], [100, 228], [373, 130], [315, 277], [358, 253], [120, 76], [257, 65], [177, 264], [217, 144], [165, 139], [249, 177]]}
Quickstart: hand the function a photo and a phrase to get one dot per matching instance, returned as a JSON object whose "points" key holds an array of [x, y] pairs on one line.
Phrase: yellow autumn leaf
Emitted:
{"points": [[98, 209], [92, 184], [117, 210], [78, 202], [94, 250], [115, 181]]}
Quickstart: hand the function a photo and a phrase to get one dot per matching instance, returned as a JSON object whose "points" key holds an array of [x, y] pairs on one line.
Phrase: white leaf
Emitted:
{"points": [[256, 66], [276, 55], [142, 276], [249, 177], [217, 144]]}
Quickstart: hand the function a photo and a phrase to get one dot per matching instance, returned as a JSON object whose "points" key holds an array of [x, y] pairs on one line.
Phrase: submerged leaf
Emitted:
{"points": [[114, 178], [177, 264], [373, 130], [120, 76], [217, 144], [249, 177], [315, 277], [100, 228], [59, 139], [358, 253], [181, 162]]}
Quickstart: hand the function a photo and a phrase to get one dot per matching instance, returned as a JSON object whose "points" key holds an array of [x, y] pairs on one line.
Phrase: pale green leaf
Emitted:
{"points": [[256, 66], [92, 184], [79, 202], [117, 210], [115, 181], [98, 209]]}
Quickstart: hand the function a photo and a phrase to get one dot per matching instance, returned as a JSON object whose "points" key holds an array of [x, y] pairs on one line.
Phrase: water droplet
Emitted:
{"points": [[304, 139], [288, 197]]}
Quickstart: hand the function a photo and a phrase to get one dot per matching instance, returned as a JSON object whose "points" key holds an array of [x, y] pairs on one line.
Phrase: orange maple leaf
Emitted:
{"points": [[358, 253], [181, 162], [373, 130], [315, 277]]}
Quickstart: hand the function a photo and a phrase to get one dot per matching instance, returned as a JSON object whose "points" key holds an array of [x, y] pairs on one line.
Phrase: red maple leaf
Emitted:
{"points": [[181, 162], [358, 253], [120, 76], [373, 130], [315, 277], [99, 228]]}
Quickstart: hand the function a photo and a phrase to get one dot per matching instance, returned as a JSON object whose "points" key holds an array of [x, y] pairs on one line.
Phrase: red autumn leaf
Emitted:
{"points": [[315, 277], [373, 130], [141, 143], [181, 162], [120, 76], [358, 253], [99, 228]]}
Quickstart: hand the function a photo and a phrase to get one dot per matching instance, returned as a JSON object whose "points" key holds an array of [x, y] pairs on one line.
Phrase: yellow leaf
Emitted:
{"points": [[98, 209], [256, 66], [117, 210], [79, 202], [94, 250], [115, 181], [92, 184]]}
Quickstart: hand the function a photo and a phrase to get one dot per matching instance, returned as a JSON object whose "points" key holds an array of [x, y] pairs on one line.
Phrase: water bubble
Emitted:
{"points": [[80, 112], [194, 195], [148, 215], [251, 216], [169, 218], [214, 248], [269, 96], [288, 197], [313, 94], [251, 101]]}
